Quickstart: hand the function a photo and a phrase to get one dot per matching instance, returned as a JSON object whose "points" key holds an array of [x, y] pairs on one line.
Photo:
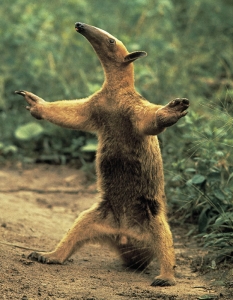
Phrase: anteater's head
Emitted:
{"points": [[109, 49]]}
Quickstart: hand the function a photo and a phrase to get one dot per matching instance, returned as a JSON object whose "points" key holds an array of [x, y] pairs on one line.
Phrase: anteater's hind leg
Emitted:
{"points": [[89, 226], [155, 241], [163, 248]]}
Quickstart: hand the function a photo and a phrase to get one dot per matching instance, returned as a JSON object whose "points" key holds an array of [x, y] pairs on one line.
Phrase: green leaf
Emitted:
{"points": [[91, 146], [203, 220], [219, 195], [214, 176], [230, 177], [28, 131], [190, 170], [197, 179], [226, 218], [189, 182], [177, 178]]}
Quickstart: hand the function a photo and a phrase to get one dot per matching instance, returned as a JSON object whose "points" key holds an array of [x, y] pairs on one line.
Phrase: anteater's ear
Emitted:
{"points": [[134, 55]]}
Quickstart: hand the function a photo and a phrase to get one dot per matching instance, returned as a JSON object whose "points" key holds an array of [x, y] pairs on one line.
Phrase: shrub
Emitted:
{"points": [[200, 180]]}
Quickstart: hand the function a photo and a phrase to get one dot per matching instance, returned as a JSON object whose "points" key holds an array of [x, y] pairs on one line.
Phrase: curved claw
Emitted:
{"points": [[22, 93], [162, 282], [35, 256], [35, 103], [185, 101], [44, 258], [184, 113], [38, 257]]}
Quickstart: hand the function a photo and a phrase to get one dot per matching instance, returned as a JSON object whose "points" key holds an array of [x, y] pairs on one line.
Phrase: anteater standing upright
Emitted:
{"points": [[131, 215]]}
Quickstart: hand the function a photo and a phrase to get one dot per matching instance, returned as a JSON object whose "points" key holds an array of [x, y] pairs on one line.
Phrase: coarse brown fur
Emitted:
{"points": [[131, 215]]}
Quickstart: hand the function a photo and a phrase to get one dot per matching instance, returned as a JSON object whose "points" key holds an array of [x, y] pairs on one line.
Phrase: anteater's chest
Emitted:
{"points": [[129, 168]]}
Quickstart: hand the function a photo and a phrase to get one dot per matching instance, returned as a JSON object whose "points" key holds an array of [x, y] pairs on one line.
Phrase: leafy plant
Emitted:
{"points": [[202, 189], [28, 131]]}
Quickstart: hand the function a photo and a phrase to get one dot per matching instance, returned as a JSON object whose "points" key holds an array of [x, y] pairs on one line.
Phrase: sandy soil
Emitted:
{"points": [[38, 204]]}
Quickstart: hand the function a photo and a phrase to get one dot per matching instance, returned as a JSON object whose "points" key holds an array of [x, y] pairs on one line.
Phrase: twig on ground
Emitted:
{"points": [[18, 246]]}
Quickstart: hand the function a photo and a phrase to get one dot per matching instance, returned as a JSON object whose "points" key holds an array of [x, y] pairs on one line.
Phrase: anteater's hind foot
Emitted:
{"points": [[45, 257], [160, 281]]}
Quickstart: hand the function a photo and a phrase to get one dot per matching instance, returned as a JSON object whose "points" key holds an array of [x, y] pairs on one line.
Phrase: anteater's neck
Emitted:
{"points": [[121, 77]]}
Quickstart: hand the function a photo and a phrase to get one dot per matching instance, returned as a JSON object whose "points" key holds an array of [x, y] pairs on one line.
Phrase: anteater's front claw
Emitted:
{"points": [[22, 93]]}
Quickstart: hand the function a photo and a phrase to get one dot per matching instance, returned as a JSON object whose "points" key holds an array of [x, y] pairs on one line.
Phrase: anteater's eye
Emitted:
{"points": [[111, 41]]}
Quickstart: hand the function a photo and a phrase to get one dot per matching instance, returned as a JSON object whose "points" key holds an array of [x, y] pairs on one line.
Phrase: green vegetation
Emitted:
{"points": [[189, 45], [200, 180]]}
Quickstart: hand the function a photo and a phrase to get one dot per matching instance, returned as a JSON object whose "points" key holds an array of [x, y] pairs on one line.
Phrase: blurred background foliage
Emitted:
{"points": [[189, 45]]}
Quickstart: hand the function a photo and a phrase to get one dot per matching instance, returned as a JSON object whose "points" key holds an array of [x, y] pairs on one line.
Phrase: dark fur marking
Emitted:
{"points": [[143, 209], [106, 206], [138, 211]]}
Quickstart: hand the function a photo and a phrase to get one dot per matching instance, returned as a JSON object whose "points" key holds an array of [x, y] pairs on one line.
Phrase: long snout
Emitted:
{"points": [[92, 32], [79, 26]]}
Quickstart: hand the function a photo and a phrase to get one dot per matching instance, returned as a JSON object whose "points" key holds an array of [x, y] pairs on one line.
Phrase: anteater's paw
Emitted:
{"points": [[172, 112], [179, 104], [160, 281], [29, 97], [44, 258], [35, 103]]}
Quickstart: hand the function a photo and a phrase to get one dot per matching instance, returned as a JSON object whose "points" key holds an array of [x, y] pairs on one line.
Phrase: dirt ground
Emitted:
{"points": [[38, 204]]}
